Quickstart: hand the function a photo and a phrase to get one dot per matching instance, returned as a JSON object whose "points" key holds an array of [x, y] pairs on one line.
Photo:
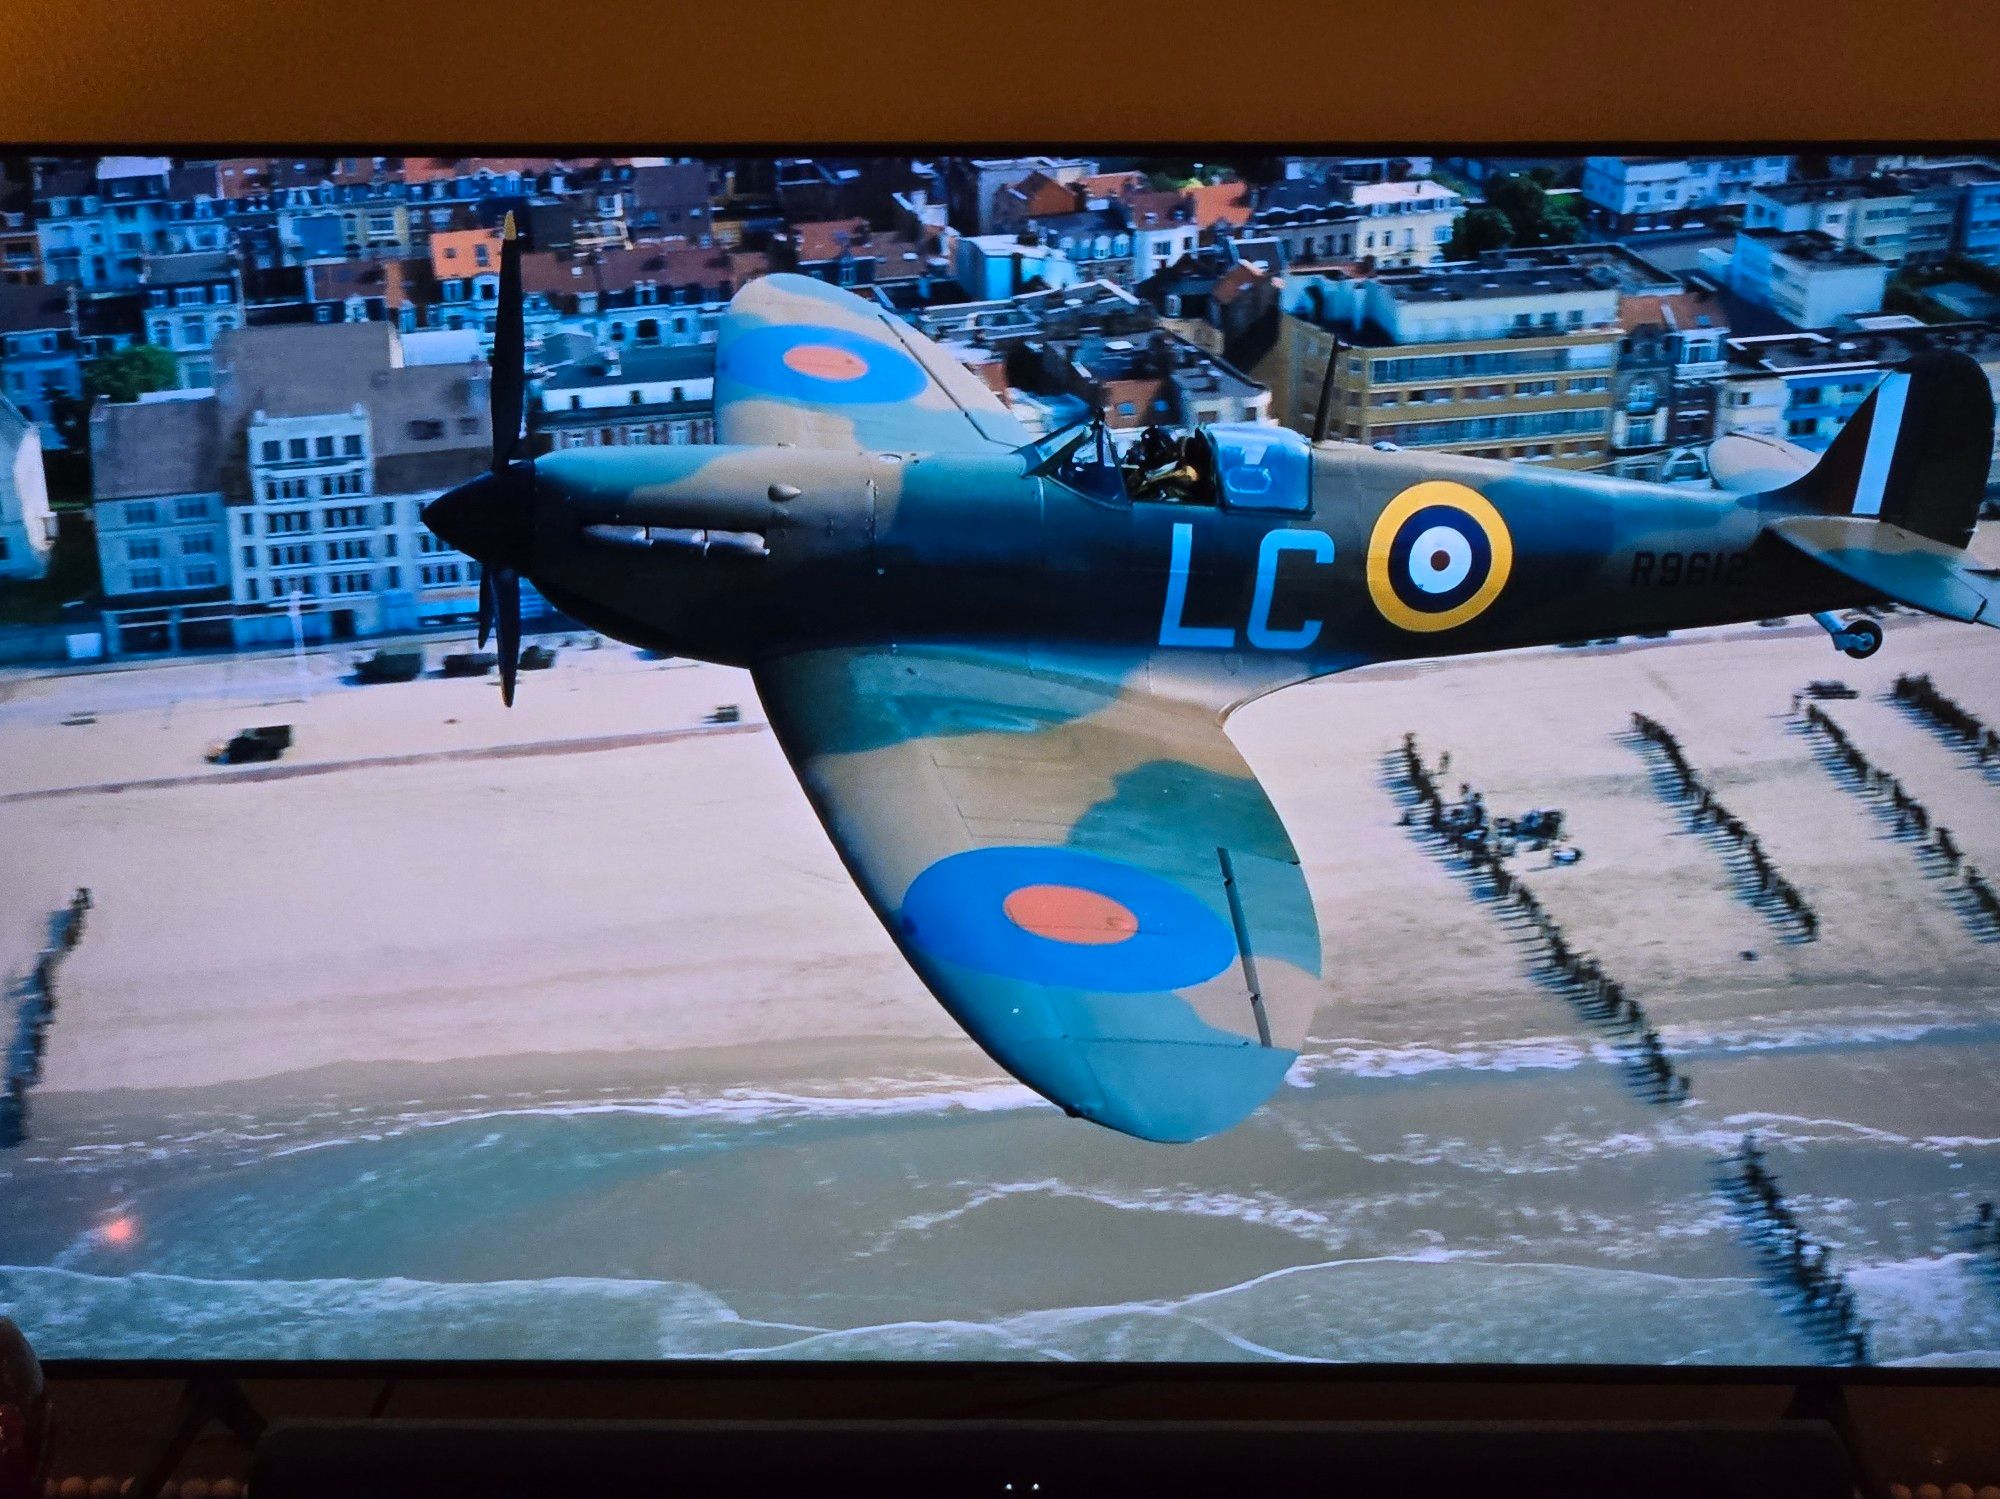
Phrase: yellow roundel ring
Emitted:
{"points": [[1439, 556]]}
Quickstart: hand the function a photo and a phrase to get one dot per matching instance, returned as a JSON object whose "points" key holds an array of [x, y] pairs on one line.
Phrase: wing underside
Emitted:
{"points": [[803, 363], [1088, 877]]}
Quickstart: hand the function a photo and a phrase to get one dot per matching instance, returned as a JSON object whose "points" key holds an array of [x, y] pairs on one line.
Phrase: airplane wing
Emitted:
{"points": [[1087, 875], [805, 363]]}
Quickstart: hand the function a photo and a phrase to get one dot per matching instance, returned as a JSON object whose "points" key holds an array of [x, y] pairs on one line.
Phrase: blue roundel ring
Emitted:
{"points": [[1166, 938], [821, 365], [1439, 558]]}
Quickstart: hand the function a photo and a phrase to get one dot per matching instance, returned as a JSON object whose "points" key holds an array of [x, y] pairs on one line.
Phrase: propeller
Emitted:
{"points": [[491, 518]]}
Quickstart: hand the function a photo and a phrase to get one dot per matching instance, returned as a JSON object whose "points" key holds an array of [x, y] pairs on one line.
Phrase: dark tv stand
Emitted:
{"points": [[1039, 1459]]}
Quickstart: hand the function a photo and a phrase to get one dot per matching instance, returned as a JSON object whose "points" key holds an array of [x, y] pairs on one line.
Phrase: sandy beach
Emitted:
{"points": [[610, 941]]}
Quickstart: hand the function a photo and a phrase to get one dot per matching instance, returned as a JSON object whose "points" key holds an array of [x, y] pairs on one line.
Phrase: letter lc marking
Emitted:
{"points": [[1172, 629], [1261, 634]]}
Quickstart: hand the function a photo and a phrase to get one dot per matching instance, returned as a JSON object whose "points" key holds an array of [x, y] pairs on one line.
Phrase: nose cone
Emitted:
{"points": [[488, 518]]}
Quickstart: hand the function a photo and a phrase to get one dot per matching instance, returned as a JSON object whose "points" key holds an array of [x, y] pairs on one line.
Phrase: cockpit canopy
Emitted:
{"points": [[1260, 467], [1236, 465]]}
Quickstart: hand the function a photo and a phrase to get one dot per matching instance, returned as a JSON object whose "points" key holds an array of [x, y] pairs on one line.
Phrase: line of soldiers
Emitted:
{"points": [[1708, 810], [37, 1012], [1920, 693], [1799, 1258], [1912, 816], [1464, 825]]}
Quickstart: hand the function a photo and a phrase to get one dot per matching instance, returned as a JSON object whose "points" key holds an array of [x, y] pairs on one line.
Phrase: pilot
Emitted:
{"points": [[1166, 465]]}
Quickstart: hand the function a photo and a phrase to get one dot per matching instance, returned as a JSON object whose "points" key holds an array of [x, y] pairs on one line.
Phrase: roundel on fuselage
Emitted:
{"points": [[1439, 556], [820, 366]]}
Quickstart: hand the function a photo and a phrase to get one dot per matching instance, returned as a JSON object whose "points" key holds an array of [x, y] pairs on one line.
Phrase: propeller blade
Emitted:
{"points": [[485, 604], [507, 588], [509, 351]]}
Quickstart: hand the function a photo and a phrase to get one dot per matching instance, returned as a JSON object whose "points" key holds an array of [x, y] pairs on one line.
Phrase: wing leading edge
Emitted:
{"points": [[1088, 877], [801, 362]]}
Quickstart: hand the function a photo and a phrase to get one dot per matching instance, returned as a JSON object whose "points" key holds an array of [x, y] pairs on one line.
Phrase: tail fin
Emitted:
{"points": [[1915, 455]]}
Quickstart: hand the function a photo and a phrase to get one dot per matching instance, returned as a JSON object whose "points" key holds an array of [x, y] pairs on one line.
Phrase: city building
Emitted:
{"points": [[1657, 192], [623, 398], [191, 300], [1058, 354], [162, 531], [27, 528], [97, 221], [670, 200], [1809, 279], [1163, 229], [1308, 220], [40, 353], [464, 280], [971, 181], [1096, 241], [1404, 223], [1664, 384], [1482, 359], [641, 296], [847, 252], [1956, 209], [992, 267], [1156, 379], [332, 445], [1869, 214], [20, 247], [1804, 387]]}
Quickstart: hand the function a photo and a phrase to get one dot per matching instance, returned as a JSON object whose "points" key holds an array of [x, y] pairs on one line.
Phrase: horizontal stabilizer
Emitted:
{"points": [[1911, 569]]}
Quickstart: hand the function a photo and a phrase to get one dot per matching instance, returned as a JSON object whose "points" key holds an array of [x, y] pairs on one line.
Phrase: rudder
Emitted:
{"points": [[1917, 453]]}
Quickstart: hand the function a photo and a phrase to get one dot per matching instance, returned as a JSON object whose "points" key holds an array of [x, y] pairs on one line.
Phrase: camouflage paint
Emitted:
{"points": [[1004, 691]]}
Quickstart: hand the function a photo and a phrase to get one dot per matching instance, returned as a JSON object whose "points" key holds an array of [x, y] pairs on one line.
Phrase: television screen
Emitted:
{"points": [[1384, 759]]}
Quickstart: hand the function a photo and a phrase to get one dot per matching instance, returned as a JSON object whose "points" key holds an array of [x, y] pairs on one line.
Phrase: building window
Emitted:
{"points": [[297, 449], [141, 513], [198, 544], [350, 445], [146, 578], [202, 575], [190, 507], [425, 427]]}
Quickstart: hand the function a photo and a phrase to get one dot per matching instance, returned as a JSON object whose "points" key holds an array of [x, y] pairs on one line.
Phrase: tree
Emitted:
{"points": [[1478, 230], [127, 374], [122, 375]]}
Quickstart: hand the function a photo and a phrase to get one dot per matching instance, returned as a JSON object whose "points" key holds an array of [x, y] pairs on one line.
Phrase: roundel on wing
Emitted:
{"points": [[1439, 555], [1063, 917], [820, 365]]}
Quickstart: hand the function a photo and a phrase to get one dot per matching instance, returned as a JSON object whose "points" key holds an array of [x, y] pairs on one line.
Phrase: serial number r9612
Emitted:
{"points": [[1673, 569]]}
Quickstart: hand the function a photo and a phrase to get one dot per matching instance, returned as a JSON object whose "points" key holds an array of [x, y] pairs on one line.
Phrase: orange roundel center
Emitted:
{"points": [[823, 362], [1066, 913]]}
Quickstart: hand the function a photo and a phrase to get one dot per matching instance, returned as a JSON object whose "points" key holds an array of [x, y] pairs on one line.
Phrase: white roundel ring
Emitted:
{"points": [[1440, 560]]}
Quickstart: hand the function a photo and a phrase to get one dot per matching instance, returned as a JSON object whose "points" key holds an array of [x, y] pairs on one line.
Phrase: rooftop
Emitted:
{"points": [[635, 367], [1829, 190], [1695, 308], [1465, 283], [26, 308], [199, 265], [1810, 246], [143, 448], [1797, 353]]}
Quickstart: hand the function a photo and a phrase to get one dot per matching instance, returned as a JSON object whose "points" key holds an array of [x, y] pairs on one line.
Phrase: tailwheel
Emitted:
{"points": [[1863, 639], [1857, 636]]}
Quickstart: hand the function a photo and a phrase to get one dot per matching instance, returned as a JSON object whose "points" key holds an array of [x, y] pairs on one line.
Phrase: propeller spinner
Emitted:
{"points": [[491, 518]]}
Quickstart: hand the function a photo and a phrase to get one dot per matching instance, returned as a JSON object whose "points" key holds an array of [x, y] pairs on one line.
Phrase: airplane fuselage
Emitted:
{"points": [[736, 554]]}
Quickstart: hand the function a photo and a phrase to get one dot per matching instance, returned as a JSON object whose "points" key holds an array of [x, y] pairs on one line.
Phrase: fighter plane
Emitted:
{"points": [[1001, 665]]}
